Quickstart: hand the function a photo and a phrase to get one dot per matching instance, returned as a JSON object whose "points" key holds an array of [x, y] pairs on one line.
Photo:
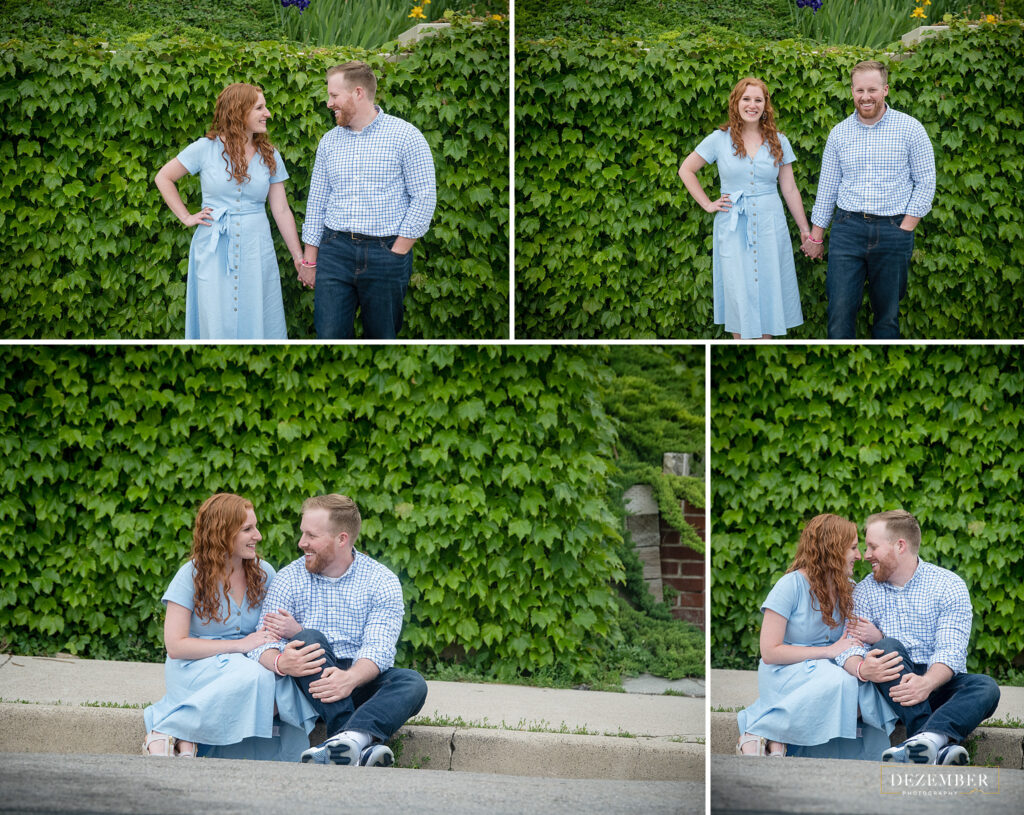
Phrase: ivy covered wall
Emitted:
{"points": [[935, 430], [610, 244], [91, 250], [480, 473]]}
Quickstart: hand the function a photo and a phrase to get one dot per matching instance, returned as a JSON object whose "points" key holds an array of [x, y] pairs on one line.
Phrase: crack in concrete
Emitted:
{"points": [[451, 750]]}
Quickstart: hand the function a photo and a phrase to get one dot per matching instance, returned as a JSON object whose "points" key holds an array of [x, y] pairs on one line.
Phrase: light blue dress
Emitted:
{"points": [[226, 702], [753, 274], [812, 705], [234, 286]]}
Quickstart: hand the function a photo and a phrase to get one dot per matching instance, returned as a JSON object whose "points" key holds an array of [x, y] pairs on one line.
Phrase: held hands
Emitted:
{"points": [[813, 250], [281, 624], [307, 274], [723, 204], [333, 685], [299, 659], [204, 217], [881, 667]]}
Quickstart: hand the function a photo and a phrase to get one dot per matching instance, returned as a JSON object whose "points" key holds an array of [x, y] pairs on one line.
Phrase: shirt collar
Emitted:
{"points": [[369, 127], [856, 117]]}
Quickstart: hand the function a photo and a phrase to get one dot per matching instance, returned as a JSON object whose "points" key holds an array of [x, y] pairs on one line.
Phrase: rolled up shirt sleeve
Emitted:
{"points": [[383, 623], [954, 628], [420, 183], [316, 204], [922, 172]]}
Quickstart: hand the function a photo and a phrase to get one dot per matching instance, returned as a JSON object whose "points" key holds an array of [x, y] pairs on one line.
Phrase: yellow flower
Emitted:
{"points": [[927, 2], [990, 18], [918, 12], [417, 12], [497, 17]]}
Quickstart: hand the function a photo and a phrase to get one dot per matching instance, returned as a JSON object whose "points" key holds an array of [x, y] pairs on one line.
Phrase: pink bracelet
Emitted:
{"points": [[307, 264], [861, 678], [814, 241], [278, 670]]}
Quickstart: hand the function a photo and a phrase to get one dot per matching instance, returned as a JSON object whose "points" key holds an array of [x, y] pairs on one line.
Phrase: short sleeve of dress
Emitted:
{"points": [[708, 149], [281, 174], [788, 156], [183, 588], [783, 597], [192, 156]]}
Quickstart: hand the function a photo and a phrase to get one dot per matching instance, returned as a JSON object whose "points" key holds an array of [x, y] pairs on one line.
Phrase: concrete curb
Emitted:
{"points": [[995, 746], [38, 728]]}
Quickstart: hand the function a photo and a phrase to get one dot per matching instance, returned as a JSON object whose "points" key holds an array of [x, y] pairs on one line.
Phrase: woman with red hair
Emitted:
{"points": [[216, 696], [753, 274], [806, 702], [233, 289]]}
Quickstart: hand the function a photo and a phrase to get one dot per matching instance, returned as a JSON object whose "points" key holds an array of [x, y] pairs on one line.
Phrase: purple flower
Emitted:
{"points": [[302, 4], [813, 5]]}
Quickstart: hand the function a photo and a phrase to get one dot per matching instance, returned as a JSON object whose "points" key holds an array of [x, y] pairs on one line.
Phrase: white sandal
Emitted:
{"points": [[746, 738], [778, 753], [168, 745]]}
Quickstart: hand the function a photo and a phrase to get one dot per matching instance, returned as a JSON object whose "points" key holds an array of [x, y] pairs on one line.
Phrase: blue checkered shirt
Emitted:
{"points": [[931, 615], [883, 169], [360, 612], [378, 181]]}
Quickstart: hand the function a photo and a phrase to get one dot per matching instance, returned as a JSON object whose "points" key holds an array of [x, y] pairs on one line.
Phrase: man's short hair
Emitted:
{"points": [[357, 73], [342, 513], [870, 65], [899, 524]]}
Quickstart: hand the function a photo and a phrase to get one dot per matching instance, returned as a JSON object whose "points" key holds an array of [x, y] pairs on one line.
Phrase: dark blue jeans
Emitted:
{"points": [[875, 249], [379, 707], [354, 273], [953, 710]]}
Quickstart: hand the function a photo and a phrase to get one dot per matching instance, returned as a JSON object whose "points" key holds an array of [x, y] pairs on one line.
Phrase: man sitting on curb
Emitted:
{"points": [[920, 660], [341, 612]]}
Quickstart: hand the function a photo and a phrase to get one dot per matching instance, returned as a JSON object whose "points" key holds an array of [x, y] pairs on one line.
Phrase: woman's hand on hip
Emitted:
{"points": [[723, 204], [204, 217]]}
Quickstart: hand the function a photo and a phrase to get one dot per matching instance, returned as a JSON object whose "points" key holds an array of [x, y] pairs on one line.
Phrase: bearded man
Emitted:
{"points": [[916, 618]]}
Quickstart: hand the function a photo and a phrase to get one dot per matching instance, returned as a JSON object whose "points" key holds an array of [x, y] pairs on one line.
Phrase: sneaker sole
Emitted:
{"points": [[915, 754], [310, 759], [342, 753]]}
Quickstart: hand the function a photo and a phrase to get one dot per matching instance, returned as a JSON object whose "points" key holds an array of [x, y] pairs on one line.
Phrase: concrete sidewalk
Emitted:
{"points": [[996, 746], [68, 705]]}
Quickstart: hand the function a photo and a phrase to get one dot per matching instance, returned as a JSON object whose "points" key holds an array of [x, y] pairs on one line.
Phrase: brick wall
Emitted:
{"points": [[682, 568]]}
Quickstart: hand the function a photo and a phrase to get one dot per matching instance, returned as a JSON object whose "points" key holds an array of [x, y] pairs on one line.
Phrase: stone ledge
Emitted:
{"points": [[996, 746]]}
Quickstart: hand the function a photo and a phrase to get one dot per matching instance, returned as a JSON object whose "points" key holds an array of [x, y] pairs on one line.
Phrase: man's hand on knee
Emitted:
{"points": [[879, 666], [911, 690], [333, 685]]}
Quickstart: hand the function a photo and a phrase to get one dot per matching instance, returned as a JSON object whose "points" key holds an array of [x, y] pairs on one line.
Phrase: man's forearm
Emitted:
{"points": [[938, 675]]}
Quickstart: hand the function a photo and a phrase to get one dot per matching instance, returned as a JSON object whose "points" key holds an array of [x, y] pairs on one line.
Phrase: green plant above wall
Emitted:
{"points": [[935, 430], [610, 245], [93, 252], [480, 473]]}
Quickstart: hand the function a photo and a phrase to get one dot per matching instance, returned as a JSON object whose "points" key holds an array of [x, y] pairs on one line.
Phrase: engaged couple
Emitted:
{"points": [[841, 664], [255, 658], [877, 179], [372, 195]]}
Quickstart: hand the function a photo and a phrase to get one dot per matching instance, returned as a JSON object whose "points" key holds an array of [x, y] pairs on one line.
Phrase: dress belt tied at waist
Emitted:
{"points": [[220, 226], [739, 208]]}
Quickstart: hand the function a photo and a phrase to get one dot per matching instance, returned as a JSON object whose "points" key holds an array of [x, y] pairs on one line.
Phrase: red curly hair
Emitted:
{"points": [[767, 124], [821, 553], [217, 523], [233, 107]]}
